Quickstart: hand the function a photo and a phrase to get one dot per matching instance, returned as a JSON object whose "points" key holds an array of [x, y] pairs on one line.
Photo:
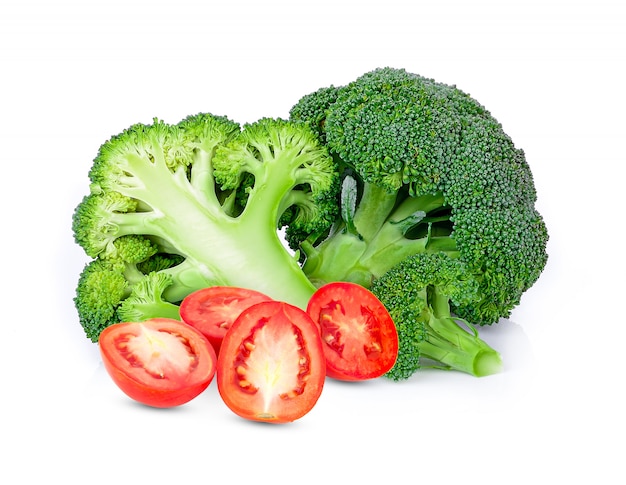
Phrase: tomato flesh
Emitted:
{"points": [[159, 362], [359, 337], [271, 367], [212, 310]]}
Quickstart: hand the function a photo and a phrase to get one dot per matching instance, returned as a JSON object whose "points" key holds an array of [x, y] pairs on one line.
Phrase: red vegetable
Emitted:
{"points": [[359, 337], [159, 362], [271, 366], [213, 310]]}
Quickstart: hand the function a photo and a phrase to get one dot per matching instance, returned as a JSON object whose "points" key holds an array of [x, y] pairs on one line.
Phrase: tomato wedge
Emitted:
{"points": [[159, 362], [212, 310], [359, 337], [271, 366]]}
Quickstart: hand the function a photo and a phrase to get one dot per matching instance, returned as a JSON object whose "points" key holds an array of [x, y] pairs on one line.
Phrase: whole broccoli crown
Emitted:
{"points": [[412, 135]]}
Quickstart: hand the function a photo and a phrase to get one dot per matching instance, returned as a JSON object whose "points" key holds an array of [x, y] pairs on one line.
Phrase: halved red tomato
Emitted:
{"points": [[271, 366], [212, 310], [359, 337], [159, 362]]}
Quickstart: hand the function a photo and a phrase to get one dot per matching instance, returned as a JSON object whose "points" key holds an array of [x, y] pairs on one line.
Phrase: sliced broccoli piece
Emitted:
{"points": [[174, 208]]}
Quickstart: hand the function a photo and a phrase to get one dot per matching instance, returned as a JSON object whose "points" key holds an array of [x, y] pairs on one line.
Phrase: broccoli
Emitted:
{"points": [[175, 208], [426, 172], [419, 292], [110, 290]]}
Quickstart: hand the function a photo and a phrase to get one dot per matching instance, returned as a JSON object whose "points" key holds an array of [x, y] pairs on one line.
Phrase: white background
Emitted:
{"points": [[73, 73]]}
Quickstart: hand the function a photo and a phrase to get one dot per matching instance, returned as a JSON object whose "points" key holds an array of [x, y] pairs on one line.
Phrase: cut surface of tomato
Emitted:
{"points": [[159, 362], [359, 337], [213, 310], [271, 366]]}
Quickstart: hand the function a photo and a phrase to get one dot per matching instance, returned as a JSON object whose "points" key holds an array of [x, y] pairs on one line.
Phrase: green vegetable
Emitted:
{"points": [[418, 293], [437, 212], [175, 208]]}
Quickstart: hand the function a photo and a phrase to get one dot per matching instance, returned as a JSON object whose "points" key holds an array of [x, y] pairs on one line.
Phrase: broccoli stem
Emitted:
{"points": [[220, 242], [339, 257], [373, 210], [392, 244], [144, 310], [202, 179], [186, 278], [382, 221], [454, 347]]}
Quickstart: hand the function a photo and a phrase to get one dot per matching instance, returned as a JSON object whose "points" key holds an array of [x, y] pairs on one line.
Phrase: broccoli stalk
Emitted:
{"points": [[210, 194], [372, 236], [448, 344]]}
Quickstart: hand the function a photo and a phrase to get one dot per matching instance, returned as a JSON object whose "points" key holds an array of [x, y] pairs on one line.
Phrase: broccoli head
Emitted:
{"points": [[175, 208], [425, 169]]}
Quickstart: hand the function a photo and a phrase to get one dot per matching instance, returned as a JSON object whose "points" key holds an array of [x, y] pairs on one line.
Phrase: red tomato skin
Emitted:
{"points": [[194, 309], [142, 390], [275, 316], [359, 367]]}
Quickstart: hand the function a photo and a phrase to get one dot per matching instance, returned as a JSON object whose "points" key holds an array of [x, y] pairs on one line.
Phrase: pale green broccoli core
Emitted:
{"points": [[206, 197]]}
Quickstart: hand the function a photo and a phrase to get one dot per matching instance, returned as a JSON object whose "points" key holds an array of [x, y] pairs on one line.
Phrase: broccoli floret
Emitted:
{"points": [[100, 289], [148, 299], [135, 284], [312, 109], [175, 208], [425, 169], [418, 293], [309, 181]]}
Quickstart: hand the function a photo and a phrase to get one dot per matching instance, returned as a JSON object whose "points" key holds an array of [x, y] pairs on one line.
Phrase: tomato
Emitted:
{"points": [[271, 366], [159, 362], [359, 337], [212, 310]]}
